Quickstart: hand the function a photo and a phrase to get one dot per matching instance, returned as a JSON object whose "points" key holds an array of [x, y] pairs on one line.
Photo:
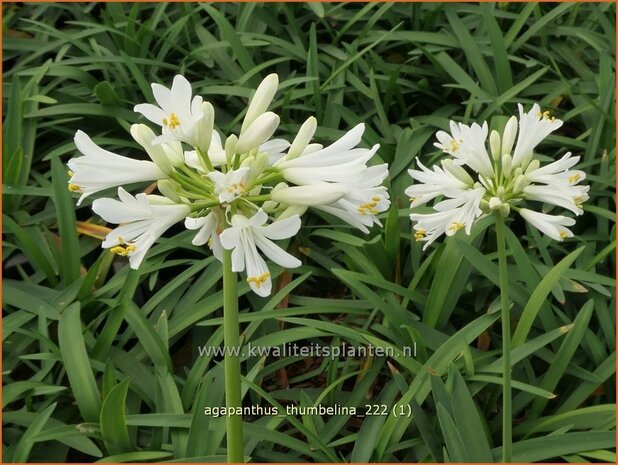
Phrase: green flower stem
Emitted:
{"points": [[507, 437], [205, 159], [233, 398]]}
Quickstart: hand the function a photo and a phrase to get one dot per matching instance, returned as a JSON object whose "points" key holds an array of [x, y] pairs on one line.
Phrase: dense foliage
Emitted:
{"points": [[100, 361]]}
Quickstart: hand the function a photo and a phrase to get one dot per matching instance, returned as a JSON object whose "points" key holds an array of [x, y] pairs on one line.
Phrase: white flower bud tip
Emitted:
{"points": [[494, 145], [508, 137], [262, 98], [302, 139], [507, 164], [258, 132], [495, 203], [310, 195]]}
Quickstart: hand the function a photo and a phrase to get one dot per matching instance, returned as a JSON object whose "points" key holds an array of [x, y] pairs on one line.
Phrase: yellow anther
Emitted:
{"points": [[376, 198], [240, 187], [420, 234], [259, 280], [173, 122], [456, 226], [546, 115], [123, 250], [564, 234], [412, 199], [74, 187], [70, 173], [579, 200], [573, 179], [368, 207], [454, 145]]}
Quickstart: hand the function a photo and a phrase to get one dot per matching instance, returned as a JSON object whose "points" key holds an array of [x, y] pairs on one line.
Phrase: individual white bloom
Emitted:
{"points": [[551, 225], [437, 181], [178, 114], [258, 132], [452, 215], [569, 197], [534, 126], [165, 155], [261, 100], [467, 145], [247, 235], [143, 220], [360, 207], [230, 185], [308, 195], [339, 162], [99, 169], [207, 233]]}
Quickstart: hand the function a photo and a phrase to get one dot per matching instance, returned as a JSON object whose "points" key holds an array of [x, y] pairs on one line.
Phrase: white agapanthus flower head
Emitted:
{"points": [[496, 172], [241, 192]]}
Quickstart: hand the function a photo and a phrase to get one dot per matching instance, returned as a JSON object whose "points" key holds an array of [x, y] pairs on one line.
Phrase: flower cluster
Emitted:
{"points": [[239, 193], [471, 183]]}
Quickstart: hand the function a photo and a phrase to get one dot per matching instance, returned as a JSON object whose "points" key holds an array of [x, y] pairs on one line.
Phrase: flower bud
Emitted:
{"points": [[500, 191], [457, 171], [143, 135], [205, 126], [230, 148], [533, 166], [261, 100], [302, 139], [168, 188], [310, 195], [505, 209], [495, 203], [507, 164], [292, 210], [258, 132], [520, 183], [494, 145], [508, 136]]}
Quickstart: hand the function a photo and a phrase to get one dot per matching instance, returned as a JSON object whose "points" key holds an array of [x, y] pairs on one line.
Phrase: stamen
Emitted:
{"points": [[74, 187], [578, 200], [70, 173], [258, 280], [573, 179], [420, 234], [173, 121], [368, 207], [456, 226], [564, 234], [123, 250]]}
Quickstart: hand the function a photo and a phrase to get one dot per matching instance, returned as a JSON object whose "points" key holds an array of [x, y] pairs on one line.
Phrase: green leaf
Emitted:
{"points": [[112, 420]]}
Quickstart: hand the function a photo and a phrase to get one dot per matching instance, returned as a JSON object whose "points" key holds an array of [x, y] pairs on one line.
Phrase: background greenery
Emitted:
{"points": [[100, 362]]}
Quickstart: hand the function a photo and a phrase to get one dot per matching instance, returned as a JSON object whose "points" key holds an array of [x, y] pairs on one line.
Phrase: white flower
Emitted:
{"points": [[178, 114], [534, 126], [230, 185], [247, 235], [143, 220], [452, 215], [207, 233], [552, 225], [436, 182], [475, 187], [467, 145], [100, 169], [340, 163]]}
